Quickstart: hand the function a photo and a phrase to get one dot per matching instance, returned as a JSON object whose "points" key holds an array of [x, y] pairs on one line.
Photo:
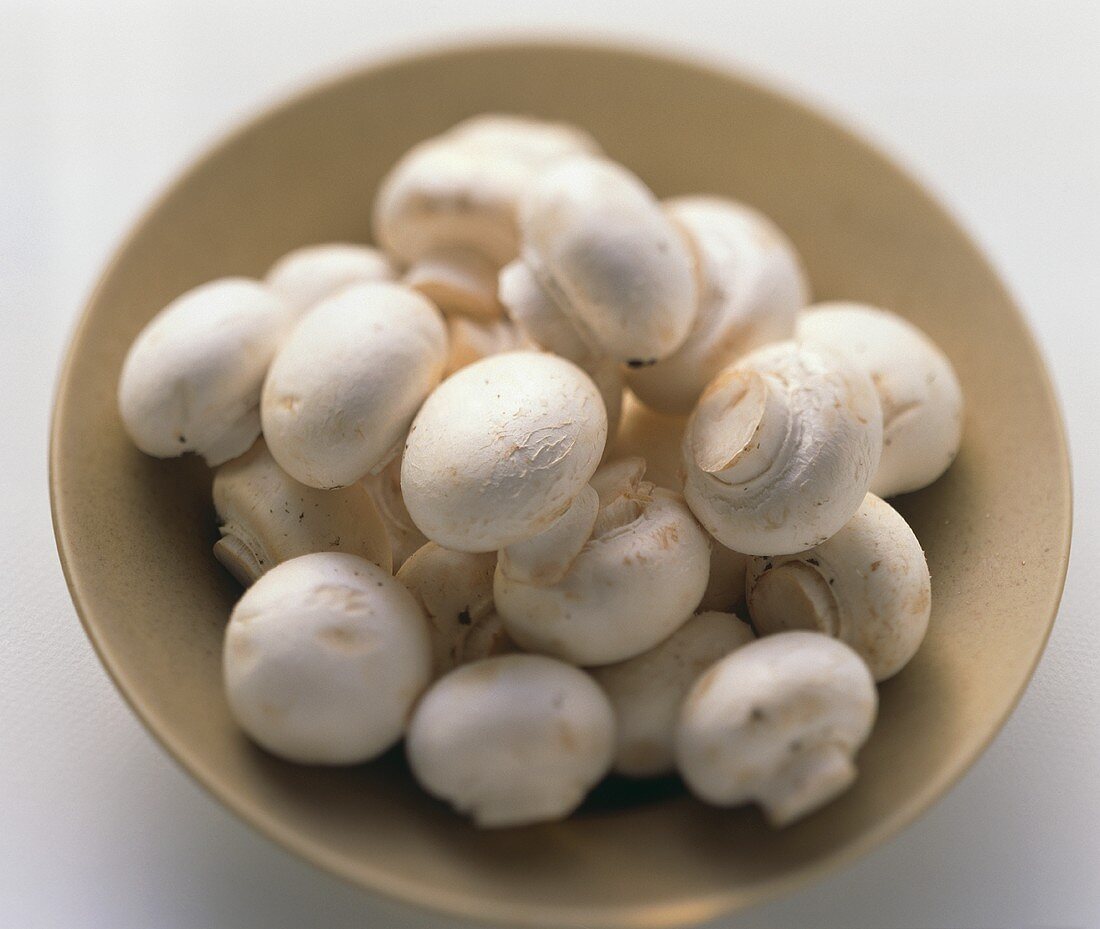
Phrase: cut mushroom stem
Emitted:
{"points": [[781, 449], [868, 586]]}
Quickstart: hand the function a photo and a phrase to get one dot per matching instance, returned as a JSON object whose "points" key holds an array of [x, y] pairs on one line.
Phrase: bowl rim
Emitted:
{"points": [[411, 895]]}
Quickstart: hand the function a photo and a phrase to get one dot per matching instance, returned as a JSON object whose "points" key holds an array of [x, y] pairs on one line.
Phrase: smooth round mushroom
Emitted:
{"points": [[598, 245], [629, 583], [512, 740], [868, 586], [307, 275], [922, 402], [777, 722], [266, 517], [324, 658], [781, 449], [448, 207], [456, 591], [191, 380], [751, 286], [647, 691], [345, 386], [384, 488], [500, 449]]}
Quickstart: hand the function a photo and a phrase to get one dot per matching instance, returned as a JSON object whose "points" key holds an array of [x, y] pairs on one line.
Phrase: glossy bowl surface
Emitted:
{"points": [[135, 534]]}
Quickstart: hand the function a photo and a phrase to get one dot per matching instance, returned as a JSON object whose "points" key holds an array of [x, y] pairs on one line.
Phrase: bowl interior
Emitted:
{"points": [[135, 534]]}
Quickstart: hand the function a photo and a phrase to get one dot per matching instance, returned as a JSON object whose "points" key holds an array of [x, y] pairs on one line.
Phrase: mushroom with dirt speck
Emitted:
{"points": [[266, 517], [777, 722], [192, 378], [781, 449], [751, 286], [456, 591], [868, 586], [512, 740], [324, 657]]}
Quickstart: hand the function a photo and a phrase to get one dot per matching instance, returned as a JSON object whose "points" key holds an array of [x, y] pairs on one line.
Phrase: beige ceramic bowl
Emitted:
{"points": [[135, 534]]}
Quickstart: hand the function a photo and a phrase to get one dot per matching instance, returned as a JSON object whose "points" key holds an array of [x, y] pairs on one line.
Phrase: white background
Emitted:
{"points": [[996, 105]]}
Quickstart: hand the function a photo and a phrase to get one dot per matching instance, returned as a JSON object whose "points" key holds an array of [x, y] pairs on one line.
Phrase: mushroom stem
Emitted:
{"points": [[239, 559], [794, 596], [741, 425], [457, 280], [809, 780]]}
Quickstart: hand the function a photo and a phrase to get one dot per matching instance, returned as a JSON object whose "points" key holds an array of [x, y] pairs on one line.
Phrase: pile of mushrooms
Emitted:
{"points": [[559, 481]]}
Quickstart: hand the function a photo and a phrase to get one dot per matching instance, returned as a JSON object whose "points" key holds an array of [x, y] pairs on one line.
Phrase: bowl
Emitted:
{"points": [[135, 534]]}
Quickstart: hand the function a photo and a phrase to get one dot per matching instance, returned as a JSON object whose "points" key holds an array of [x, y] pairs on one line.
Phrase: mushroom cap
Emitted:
{"points": [[751, 286], [868, 586], [634, 582], [512, 740], [307, 275], [781, 449], [324, 657], [267, 518], [646, 691], [456, 591], [657, 437], [191, 380], [459, 191], [596, 239], [777, 721], [500, 449], [922, 403], [384, 488], [345, 386], [726, 587]]}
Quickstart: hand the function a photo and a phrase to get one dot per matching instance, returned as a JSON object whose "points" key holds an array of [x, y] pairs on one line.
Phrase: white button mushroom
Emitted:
{"points": [[512, 740], [384, 488], [751, 286], [777, 722], [598, 245], [191, 381], [448, 207], [345, 386], [868, 586], [266, 517], [456, 591], [306, 276], [922, 404], [324, 657], [500, 449], [633, 581], [647, 691], [781, 449]]}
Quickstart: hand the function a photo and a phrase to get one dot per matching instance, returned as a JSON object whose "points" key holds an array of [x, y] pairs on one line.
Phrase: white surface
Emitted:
{"points": [[994, 104]]}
